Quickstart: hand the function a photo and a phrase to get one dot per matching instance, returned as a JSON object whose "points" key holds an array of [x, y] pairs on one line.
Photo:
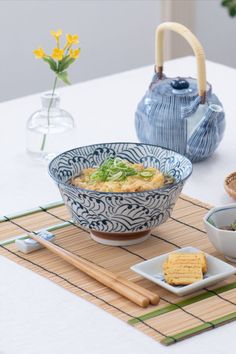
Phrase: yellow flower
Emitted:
{"points": [[72, 39], [74, 53], [39, 53], [56, 34], [57, 53]]}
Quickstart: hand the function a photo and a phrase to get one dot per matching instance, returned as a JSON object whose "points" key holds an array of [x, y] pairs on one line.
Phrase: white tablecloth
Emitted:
{"points": [[37, 316]]}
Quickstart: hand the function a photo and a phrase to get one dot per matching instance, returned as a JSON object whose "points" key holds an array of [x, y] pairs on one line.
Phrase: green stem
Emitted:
{"points": [[48, 115]]}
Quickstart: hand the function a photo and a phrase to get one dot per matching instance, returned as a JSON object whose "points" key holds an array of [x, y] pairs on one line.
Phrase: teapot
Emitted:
{"points": [[181, 113]]}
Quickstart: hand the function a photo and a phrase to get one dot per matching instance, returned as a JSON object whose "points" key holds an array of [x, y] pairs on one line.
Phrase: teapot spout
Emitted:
{"points": [[194, 120], [205, 137], [215, 108]]}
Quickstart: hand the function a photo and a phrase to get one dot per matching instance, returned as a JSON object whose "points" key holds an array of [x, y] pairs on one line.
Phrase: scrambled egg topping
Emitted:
{"points": [[117, 178]]}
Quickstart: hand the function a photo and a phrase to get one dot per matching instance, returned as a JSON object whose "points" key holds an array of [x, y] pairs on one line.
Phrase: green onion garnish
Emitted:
{"points": [[146, 174], [168, 179], [116, 177], [113, 169], [117, 169]]}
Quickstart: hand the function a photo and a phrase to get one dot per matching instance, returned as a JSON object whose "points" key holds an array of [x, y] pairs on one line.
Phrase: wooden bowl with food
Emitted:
{"points": [[120, 191]]}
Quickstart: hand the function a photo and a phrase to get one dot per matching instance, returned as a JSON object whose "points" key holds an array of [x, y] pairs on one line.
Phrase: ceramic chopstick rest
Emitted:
{"points": [[29, 245]]}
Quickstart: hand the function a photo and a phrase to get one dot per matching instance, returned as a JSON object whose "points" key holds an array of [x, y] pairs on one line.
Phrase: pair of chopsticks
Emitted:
{"points": [[123, 286]]}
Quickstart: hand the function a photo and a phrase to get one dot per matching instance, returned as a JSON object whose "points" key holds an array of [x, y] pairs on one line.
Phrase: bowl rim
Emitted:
{"points": [[232, 174], [227, 184], [215, 210], [120, 193]]}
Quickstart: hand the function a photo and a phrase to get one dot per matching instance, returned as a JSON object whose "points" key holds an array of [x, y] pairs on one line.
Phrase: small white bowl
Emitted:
{"points": [[223, 240], [153, 270]]}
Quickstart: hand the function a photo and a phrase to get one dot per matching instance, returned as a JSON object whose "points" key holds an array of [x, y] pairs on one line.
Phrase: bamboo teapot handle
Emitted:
{"points": [[194, 43]]}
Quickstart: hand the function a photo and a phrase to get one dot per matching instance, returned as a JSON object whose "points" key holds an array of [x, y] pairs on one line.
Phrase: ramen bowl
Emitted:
{"points": [[124, 218]]}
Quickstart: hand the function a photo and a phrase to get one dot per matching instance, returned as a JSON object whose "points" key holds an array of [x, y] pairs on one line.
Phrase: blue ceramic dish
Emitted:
{"points": [[119, 218]]}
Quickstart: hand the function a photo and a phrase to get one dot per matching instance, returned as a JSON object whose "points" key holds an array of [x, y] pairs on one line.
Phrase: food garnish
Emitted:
{"points": [[117, 169], [231, 227], [119, 175]]}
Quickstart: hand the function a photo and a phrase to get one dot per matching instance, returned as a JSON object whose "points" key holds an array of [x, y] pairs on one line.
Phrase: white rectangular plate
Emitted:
{"points": [[152, 270]]}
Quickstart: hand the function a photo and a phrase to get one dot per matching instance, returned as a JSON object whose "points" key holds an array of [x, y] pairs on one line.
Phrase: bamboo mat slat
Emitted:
{"points": [[174, 318]]}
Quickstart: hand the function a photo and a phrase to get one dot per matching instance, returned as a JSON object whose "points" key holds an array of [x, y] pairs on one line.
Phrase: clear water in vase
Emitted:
{"points": [[49, 130]]}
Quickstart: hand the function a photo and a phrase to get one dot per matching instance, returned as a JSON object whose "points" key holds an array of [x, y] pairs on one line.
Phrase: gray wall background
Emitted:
{"points": [[115, 35], [217, 31], [212, 25]]}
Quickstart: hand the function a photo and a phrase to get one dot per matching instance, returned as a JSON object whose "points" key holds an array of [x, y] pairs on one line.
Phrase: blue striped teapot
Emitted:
{"points": [[181, 114]]}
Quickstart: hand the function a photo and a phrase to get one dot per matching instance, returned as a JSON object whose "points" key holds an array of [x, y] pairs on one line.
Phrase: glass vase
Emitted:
{"points": [[50, 130]]}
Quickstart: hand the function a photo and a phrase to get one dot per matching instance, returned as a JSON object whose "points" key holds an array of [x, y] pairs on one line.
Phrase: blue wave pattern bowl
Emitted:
{"points": [[119, 218]]}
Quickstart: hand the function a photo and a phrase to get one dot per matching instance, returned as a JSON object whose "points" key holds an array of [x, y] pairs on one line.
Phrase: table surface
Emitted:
{"points": [[38, 316]]}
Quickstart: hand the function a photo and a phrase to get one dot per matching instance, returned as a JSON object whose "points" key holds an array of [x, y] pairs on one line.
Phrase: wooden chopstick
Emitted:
{"points": [[153, 297], [121, 285]]}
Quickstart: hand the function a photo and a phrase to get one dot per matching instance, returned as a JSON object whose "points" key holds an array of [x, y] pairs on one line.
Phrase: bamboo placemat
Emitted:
{"points": [[174, 318]]}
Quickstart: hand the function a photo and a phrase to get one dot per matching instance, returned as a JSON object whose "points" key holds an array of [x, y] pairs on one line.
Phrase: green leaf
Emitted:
{"points": [[63, 76], [51, 62], [65, 63], [225, 2], [232, 11], [230, 5]]}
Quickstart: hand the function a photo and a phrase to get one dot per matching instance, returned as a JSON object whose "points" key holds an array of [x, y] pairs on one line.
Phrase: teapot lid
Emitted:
{"points": [[179, 87]]}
